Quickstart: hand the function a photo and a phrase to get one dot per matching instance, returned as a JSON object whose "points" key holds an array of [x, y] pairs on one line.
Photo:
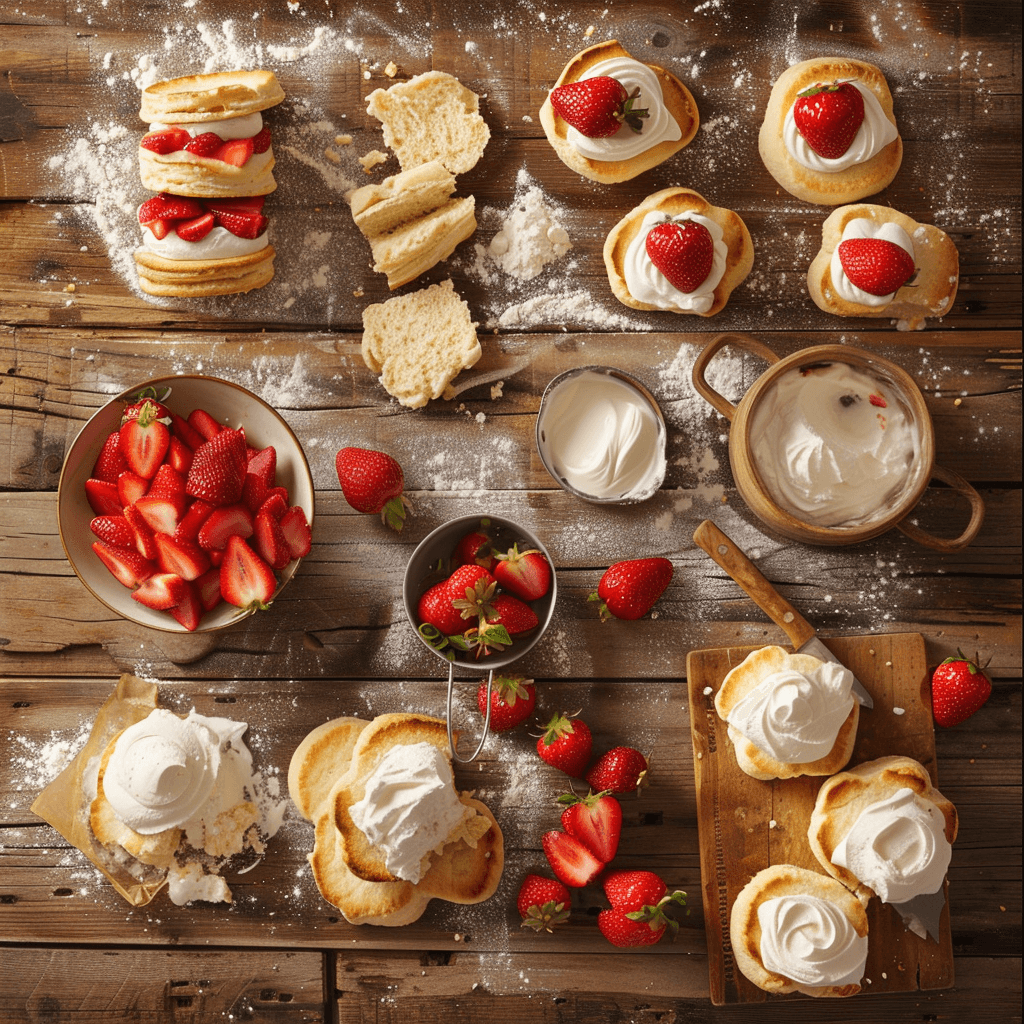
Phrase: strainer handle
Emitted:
{"points": [[448, 717]]}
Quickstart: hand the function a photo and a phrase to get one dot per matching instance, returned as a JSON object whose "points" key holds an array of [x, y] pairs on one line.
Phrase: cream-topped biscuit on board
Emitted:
{"points": [[672, 117], [798, 702], [928, 293], [873, 158], [638, 283]]}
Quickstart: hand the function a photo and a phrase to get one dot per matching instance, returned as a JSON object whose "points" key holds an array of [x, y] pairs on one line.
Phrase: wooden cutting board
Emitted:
{"points": [[746, 824]]}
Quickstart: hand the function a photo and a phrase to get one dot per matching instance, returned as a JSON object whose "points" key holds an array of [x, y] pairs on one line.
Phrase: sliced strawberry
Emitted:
{"points": [[146, 397], [570, 860], [167, 482], [296, 531], [236, 204], [261, 140], [183, 557], [144, 441], [181, 428], [276, 503], [235, 152], [131, 487], [192, 521], [207, 588], [245, 579], [189, 610], [161, 591], [204, 144], [160, 228], [218, 469], [526, 574], [226, 521], [595, 820], [196, 229], [127, 565], [179, 455], [103, 497], [169, 207], [254, 492], [166, 140], [110, 463], [142, 533], [270, 541], [204, 425], [264, 464], [242, 223], [161, 514], [114, 530]]}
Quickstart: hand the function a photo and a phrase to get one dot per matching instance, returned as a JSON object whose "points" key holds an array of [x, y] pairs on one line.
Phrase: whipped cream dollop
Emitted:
{"points": [[219, 244], [897, 847], [794, 716], [602, 437], [811, 941], [875, 133], [863, 227], [646, 283], [244, 127], [658, 126], [409, 807], [832, 445]]}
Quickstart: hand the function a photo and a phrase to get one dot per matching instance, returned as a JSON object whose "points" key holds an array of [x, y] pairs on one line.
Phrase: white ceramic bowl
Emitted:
{"points": [[229, 404]]}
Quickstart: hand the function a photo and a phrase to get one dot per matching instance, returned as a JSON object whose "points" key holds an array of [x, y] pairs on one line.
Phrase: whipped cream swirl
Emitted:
{"points": [[244, 127], [658, 126], [832, 445], [875, 133], [162, 771], [863, 227], [795, 717], [601, 436], [646, 283], [409, 807], [897, 847], [811, 941]]}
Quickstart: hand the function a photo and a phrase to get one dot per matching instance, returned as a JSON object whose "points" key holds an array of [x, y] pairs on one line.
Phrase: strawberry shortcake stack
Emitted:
{"points": [[208, 157]]}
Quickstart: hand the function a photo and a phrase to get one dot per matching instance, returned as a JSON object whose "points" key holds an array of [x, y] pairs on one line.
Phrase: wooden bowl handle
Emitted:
{"points": [[961, 486], [708, 393]]}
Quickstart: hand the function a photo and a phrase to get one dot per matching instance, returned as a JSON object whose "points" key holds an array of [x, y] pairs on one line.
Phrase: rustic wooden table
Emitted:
{"points": [[74, 330]]}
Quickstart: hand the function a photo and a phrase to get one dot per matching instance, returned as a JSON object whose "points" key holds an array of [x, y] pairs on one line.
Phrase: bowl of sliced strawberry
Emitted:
{"points": [[185, 504]]}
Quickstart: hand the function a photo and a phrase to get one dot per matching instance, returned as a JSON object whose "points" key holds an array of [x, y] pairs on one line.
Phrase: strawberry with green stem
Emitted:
{"points": [[543, 903], [959, 689], [512, 701], [372, 482], [526, 574], [829, 116], [628, 590], [638, 902], [566, 744], [619, 770], [598, 107]]}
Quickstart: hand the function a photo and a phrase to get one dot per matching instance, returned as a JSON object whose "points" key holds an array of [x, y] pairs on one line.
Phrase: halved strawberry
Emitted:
{"points": [[114, 530], [264, 464], [162, 514], [595, 820], [276, 503], [160, 228], [179, 455], [570, 860], [226, 521], [203, 424], [526, 574], [160, 591], [103, 497], [181, 428], [196, 229], [245, 579], [192, 521], [204, 144], [261, 140], [127, 565], [167, 482], [142, 533], [270, 541], [147, 396], [166, 140], [183, 557], [166, 206], [110, 463], [254, 493], [243, 223], [296, 531], [218, 469], [207, 588], [236, 204], [235, 152], [144, 441], [189, 610], [131, 487]]}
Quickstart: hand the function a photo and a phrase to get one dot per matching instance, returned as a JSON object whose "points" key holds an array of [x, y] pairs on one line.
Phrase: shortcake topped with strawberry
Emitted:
{"points": [[677, 252], [829, 134], [875, 261], [610, 117], [206, 134]]}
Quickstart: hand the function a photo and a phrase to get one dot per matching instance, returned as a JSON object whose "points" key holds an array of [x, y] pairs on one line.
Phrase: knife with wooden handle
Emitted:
{"points": [[801, 633]]}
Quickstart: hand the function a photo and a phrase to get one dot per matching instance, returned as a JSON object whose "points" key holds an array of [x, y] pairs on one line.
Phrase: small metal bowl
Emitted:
{"points": [[645, 398], [431, 562]]}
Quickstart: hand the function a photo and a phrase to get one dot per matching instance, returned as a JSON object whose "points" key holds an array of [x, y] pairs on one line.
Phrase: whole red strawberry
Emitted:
{"points": [[597, 107], [516, 616], [475, 546], [595, 820], [620, 770], [512, 701], [629, 589], [959, 688], [543, 903], [372, 482], [828, 117], [683, 251], [637, 915], [876, 265], [456, 604], [566, 744], [526, 574]]}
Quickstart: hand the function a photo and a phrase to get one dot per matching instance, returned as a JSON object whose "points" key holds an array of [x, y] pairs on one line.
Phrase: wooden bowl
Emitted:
{"points": [[229, 404], [752, 487]]}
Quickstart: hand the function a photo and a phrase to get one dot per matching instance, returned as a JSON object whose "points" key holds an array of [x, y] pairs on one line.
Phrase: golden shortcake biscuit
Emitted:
{"points": [[193, 99], [843, 797], [676, 99], [348, 870], [746, 677], [835, 929], [185, 174], [200, 278], [837, 184], [929, 292], [734, 253]]}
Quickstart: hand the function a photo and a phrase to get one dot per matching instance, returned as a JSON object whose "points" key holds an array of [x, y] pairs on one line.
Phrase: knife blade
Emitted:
{"points": [[801, 633], [922, 914]]}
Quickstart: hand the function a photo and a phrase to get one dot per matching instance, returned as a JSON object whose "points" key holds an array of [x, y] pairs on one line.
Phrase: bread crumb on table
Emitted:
{"points": [[371, 159]]}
